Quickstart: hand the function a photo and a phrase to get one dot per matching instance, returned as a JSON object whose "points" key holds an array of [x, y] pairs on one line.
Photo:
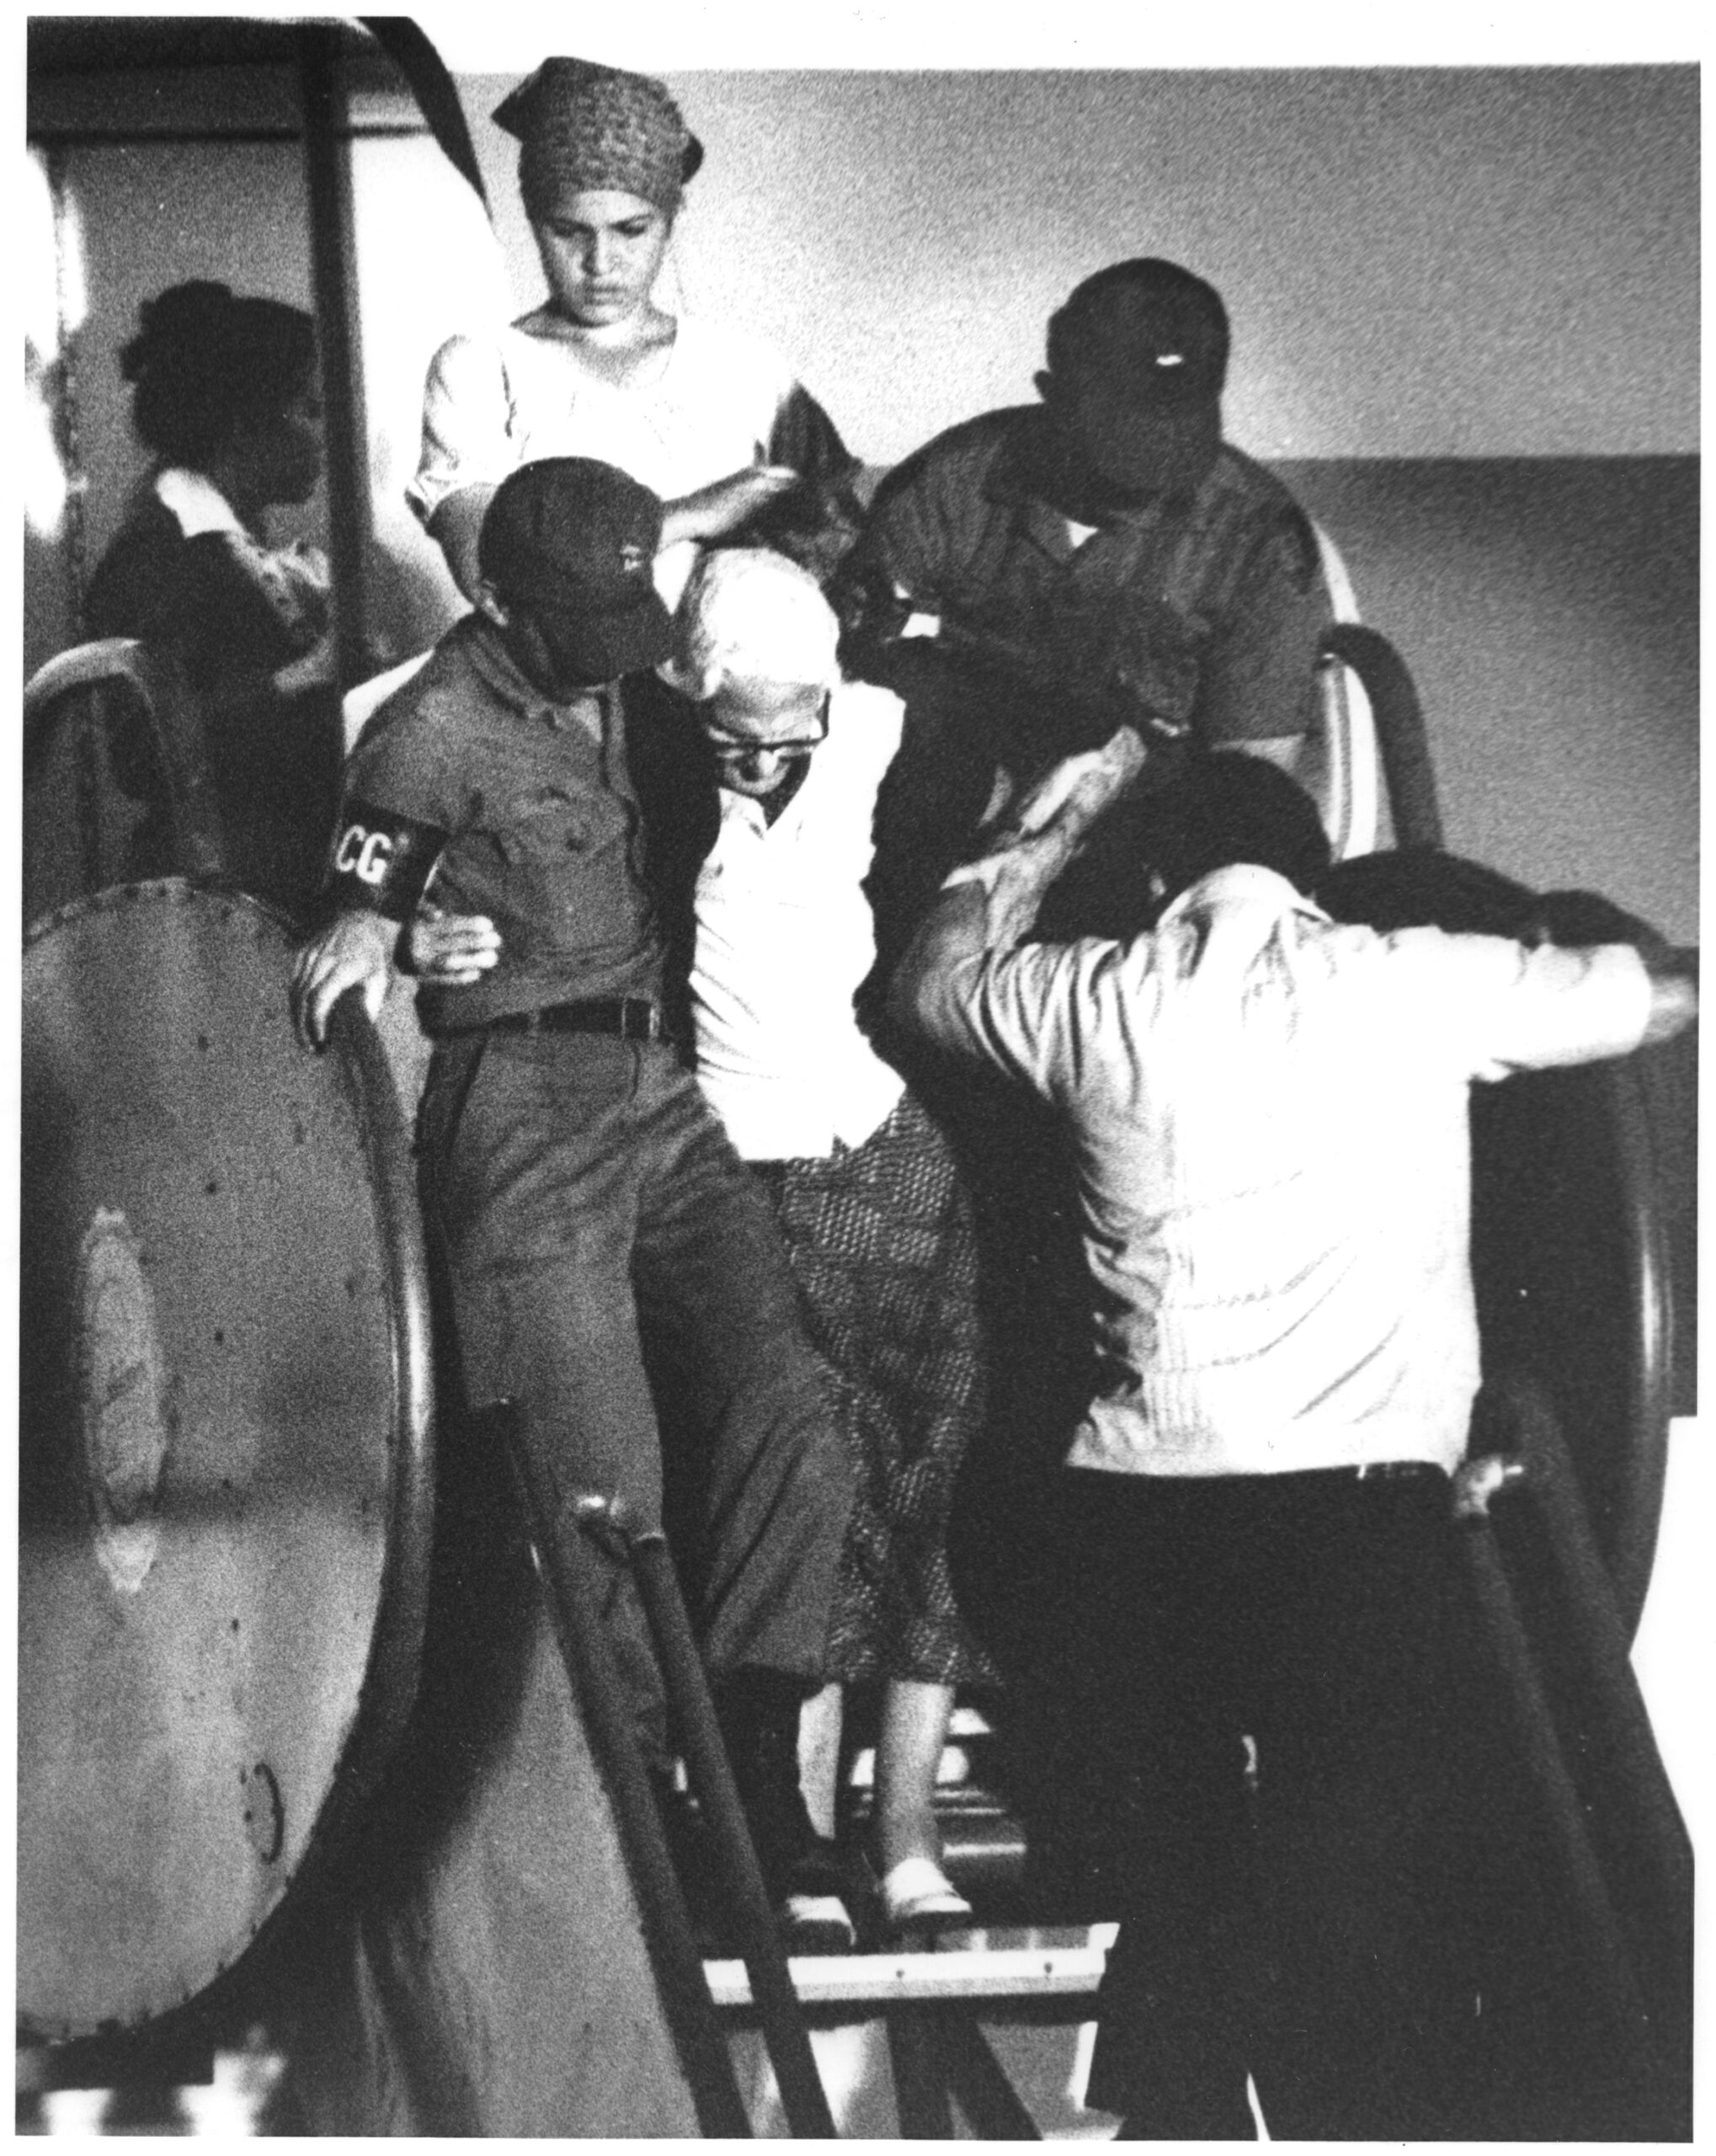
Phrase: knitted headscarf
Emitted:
{"points": [[582, 127]]}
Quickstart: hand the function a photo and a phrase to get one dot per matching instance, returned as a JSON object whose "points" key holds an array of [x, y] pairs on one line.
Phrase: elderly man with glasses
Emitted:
{"points": [[871, 1210]]}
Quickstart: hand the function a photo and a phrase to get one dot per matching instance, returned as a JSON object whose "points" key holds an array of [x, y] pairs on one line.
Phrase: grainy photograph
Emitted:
{"points": [[782, 1369]]}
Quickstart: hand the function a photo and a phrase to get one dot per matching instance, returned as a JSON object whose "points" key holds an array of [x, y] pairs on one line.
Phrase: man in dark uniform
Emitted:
{"points": [[1030, 581], [1036, 577], [585, 1197]]}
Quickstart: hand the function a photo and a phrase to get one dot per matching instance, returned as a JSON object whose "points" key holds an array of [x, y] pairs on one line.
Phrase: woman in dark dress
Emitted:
{"points": [[226, 399]]}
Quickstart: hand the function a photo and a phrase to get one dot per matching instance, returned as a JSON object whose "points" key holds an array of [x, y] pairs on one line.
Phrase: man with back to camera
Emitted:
{"points": [[586, 1197], [1037, 576], [1251, 1643]]}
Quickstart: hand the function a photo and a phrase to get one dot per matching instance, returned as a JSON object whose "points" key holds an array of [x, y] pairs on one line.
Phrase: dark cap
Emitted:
{"points": [[1138, 355], [1149, 325], [575, 542]]}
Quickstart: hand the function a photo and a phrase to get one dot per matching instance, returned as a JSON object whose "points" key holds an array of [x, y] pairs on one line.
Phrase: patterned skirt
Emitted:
{"points": [[881, 1242]]}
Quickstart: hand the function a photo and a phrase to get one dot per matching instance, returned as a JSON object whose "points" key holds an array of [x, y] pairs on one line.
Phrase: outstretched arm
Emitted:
{"points": [[990, 903], [1577, 920], [723, 505], [1674, 993]]}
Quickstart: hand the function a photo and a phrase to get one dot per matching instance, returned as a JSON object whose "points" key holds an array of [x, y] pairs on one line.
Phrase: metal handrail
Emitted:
{"points": [[1413, 809], [1605, 1795], [597, 1688]]}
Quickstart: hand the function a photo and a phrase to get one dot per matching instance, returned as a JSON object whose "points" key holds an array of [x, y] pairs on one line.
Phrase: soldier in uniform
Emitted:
{"points": [[586, 1198]]}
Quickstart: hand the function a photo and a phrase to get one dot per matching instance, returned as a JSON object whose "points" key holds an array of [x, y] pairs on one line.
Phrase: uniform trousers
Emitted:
{"points": [[589, 1208]]}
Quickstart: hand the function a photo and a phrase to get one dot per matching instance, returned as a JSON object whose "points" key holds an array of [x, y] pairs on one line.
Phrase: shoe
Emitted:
{"points": [[803, 1874], [758, 1714], [811, 1909], [918, 1895]]}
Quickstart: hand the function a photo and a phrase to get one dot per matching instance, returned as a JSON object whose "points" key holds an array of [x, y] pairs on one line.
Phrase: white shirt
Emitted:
{"points": [[1270, 1111], [492, 403], [784, 939]]}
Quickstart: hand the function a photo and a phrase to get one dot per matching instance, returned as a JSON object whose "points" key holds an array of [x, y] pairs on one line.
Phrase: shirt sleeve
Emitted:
{"points": [[242, 604], [1258, 681], [220, 597], [1514, 1009], [406, 763], [467, 423], [910, 540], [294, 585], [908, 543], [1052, 1015]]}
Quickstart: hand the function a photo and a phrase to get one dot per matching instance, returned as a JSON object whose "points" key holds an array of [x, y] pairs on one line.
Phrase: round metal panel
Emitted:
{"points": [[224, 1475]]}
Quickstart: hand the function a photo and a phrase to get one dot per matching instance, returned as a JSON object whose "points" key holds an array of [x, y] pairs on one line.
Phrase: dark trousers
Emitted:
{"points": [[588, 1201], [1241, 1722]]}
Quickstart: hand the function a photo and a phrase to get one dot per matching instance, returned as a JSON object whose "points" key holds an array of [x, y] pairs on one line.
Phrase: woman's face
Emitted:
{"points": [[281, 455], [601, 250]]}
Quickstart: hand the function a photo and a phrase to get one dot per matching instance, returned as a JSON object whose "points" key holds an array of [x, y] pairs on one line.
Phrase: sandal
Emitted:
{"points": [[917, 1893]]}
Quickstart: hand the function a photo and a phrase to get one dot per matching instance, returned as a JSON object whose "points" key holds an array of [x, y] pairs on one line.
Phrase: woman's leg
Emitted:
{"points": [[914, 1717], [820, 1719]]}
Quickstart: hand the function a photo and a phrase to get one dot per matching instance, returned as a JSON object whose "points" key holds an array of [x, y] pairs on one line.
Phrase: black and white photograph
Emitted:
{"points": [[866, 1422]]}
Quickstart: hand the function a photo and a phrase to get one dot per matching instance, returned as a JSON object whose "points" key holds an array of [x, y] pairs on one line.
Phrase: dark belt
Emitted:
{"points": [[631, 1017]]}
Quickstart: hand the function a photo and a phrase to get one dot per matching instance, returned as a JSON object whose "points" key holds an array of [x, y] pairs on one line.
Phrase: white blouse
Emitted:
{"points": [[493, 402]]}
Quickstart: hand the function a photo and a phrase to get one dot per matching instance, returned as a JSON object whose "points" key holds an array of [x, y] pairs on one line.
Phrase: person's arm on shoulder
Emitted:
{"points": [[714, 511], [988, 905]]}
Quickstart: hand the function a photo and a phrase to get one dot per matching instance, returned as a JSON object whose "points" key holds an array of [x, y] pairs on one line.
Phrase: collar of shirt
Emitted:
{"points": [[1242, 882], [500, 672], [1239, 909], [196, 502], [766, 813]]}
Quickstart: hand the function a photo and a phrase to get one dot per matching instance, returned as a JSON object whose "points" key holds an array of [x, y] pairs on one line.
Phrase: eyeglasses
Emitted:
{"points": [[730, 749]]}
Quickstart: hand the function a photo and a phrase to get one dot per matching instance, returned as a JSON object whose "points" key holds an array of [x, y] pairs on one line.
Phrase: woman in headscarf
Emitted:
{"points": [[710, 417], [225, 396]]}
